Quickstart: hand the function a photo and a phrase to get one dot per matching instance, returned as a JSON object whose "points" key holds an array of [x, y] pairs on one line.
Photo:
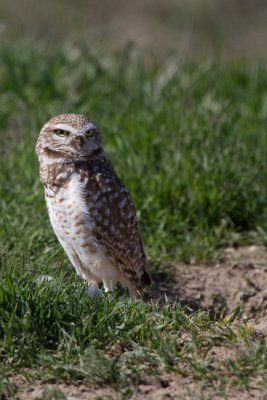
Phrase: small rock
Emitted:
{"points": [[199, 296], [71, 398], [244, 296], [164, 383], [253, 249], [38, 394], [93, 292], [261, 329], [249, 265]]}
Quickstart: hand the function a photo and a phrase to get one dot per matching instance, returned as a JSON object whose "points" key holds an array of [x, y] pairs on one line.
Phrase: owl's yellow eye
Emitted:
{"points": [[61, 132], [90, 133]]}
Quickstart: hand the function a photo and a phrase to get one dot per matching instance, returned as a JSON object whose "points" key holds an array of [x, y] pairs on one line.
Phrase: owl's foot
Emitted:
{"points": [[94, 292]]}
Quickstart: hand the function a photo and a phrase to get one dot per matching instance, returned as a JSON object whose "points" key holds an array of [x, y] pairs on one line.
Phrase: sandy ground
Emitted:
{"points": [[238, 278], [169, 387]]}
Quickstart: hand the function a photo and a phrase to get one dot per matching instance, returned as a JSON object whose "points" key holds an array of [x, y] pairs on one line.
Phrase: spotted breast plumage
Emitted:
{"points": [[90, 209]]}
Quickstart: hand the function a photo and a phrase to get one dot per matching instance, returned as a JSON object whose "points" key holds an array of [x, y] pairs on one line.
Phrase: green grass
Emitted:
{"points": [[190, 143]]}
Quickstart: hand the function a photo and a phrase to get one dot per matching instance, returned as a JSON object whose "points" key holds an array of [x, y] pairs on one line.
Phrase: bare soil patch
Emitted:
{"points": [[238, 278], [169, 386]]}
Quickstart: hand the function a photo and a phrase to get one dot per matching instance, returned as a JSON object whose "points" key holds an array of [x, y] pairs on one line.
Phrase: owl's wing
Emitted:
{"points": [[116, 226]]}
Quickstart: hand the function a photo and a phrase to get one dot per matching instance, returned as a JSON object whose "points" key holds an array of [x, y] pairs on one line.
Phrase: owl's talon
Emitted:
{"points": [[93, 292]]}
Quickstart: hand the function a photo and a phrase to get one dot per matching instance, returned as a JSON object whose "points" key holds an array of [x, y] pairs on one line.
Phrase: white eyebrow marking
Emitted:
{"points": [[54, 160], [66, 127], [89, 126], [71, 129]]}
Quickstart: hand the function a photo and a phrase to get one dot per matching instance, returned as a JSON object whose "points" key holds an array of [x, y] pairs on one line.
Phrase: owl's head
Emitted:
{"points": [[70, 136]]}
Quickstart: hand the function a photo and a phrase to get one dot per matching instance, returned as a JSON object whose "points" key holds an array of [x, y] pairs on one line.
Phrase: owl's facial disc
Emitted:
{"points": [[79, 141]]}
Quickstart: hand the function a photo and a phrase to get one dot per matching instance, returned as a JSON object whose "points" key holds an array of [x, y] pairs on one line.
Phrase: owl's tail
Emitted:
{"points": [[145, 279]]}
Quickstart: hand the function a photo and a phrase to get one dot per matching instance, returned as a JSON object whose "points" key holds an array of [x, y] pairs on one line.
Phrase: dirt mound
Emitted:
{"points": [[238, 278]]}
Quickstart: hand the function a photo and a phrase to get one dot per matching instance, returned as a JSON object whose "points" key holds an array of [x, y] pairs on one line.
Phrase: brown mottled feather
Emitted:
{"points": [[116, 227]]}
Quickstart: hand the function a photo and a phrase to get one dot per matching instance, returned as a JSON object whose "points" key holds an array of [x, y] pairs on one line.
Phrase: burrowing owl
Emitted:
{"points": [[90, 209]]}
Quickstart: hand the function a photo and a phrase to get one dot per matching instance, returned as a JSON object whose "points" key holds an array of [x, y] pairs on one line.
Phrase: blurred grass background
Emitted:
{"points": [[195, 28]]}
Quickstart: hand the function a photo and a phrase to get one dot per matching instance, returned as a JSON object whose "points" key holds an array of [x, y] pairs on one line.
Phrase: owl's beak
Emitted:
{"points": [[78, 141]]}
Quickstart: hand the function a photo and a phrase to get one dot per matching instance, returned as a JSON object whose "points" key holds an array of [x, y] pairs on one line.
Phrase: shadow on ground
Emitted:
{"points": [[238, 280]]}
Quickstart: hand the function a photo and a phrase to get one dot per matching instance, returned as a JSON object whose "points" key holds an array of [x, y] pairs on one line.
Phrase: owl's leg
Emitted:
{"points": [[126, 284], [93, 291], [75, 262], [107, 285], [133, 293]]}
